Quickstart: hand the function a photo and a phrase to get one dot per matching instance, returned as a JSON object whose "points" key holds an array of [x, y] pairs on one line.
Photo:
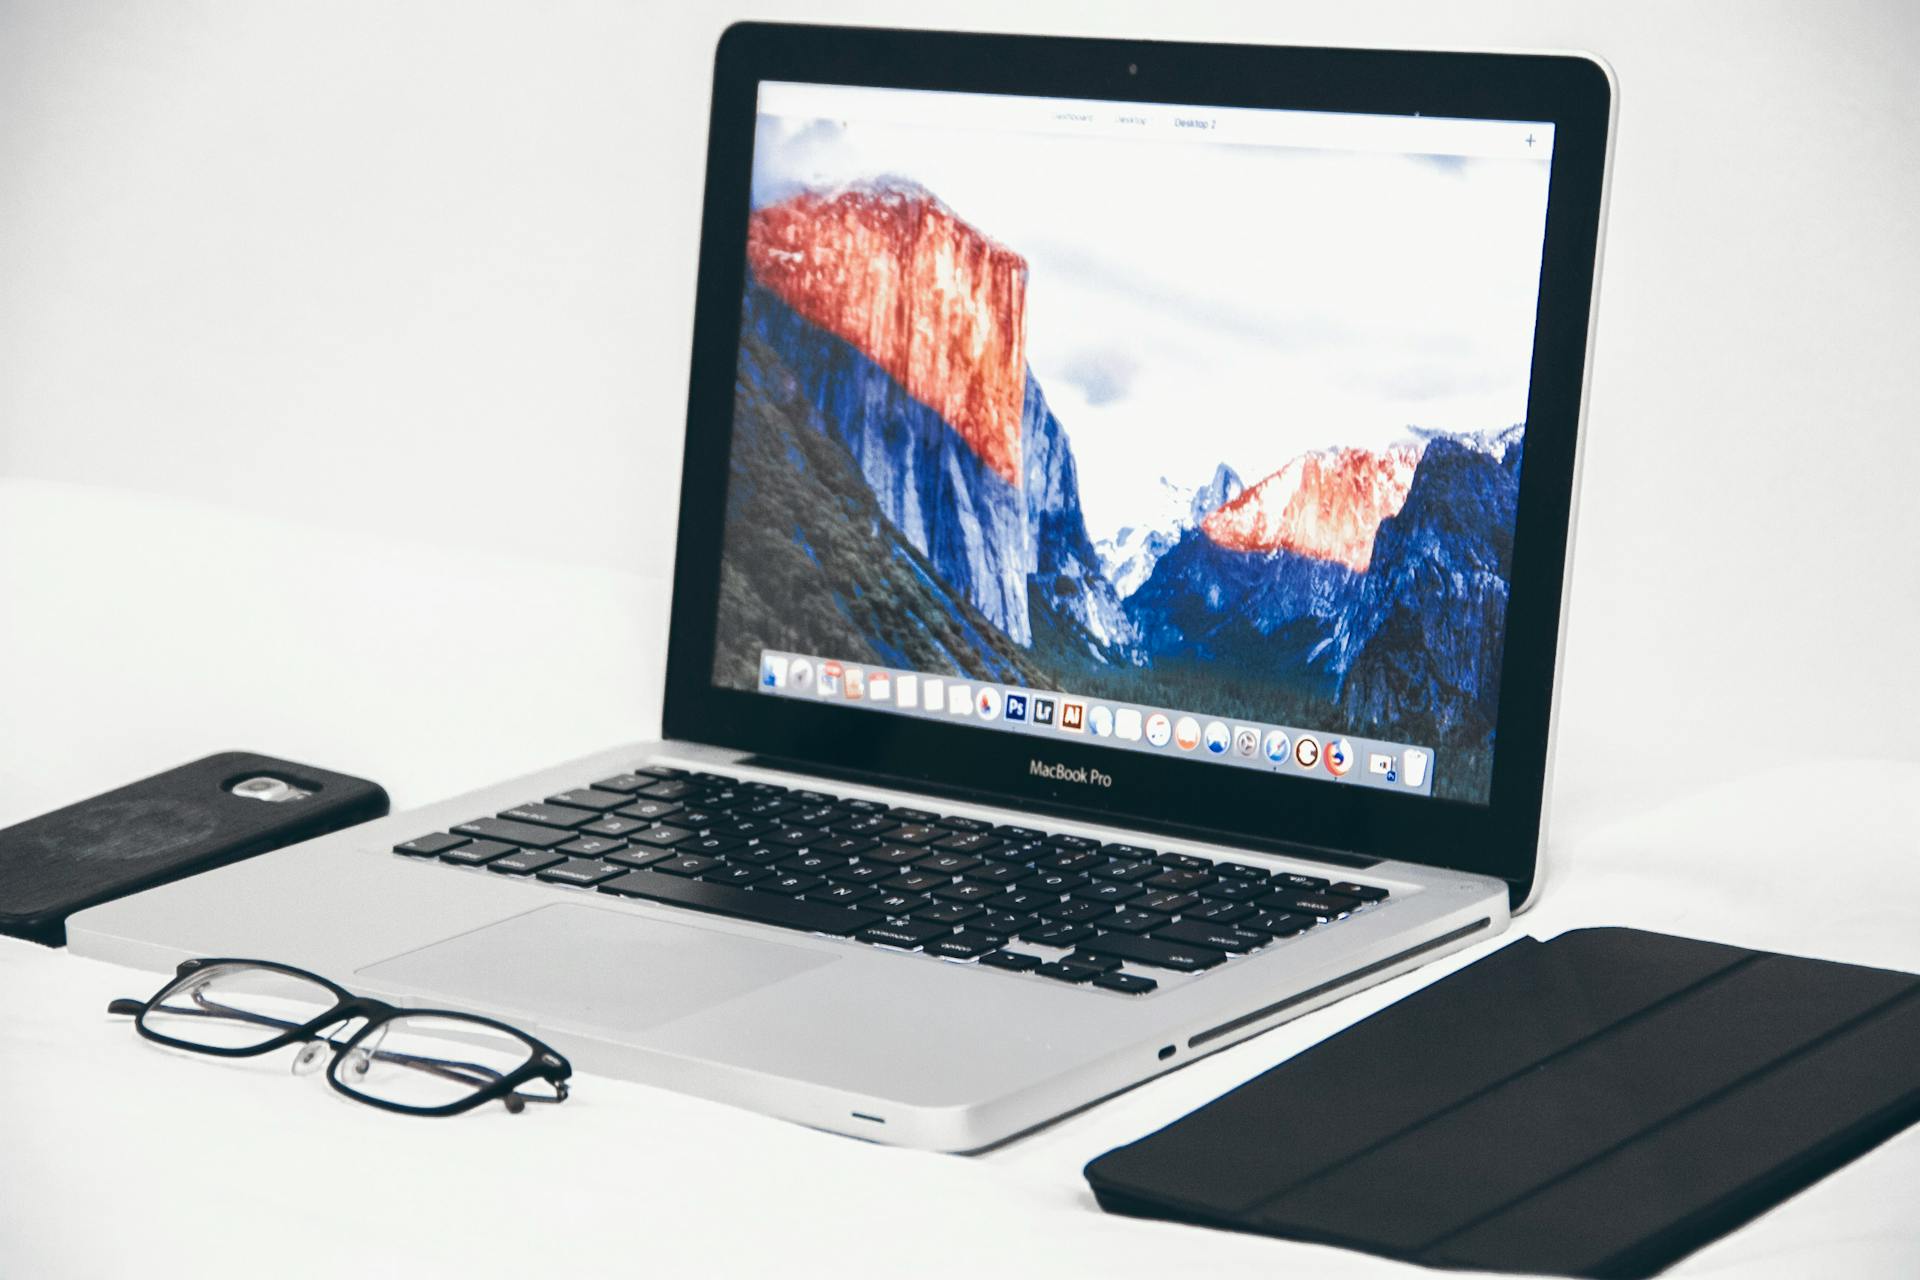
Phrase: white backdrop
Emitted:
{"points": [[351, 337], [425, 270]]}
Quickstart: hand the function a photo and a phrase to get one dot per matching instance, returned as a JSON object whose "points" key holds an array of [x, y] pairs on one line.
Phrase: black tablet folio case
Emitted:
{"points": [[1597, 1105], [159, 829]]}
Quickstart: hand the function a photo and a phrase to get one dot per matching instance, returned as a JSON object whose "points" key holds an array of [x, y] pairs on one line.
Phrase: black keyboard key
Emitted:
{"points": [[1017, 961], [686, 864], [914, 833], [813, 797], [1072, 842], [475, 852], [660, 837], [713, 846], [1068, 971], [863, 806], [1183, 862], [1054, 882], [800, 837], [970, 825], [637, 858], [662, 771], [866, 824], [1019, 835], [550, 815], [580, 871], [710, 779], [894, 903], [915, 881], [1127, 983], [817, 816], [1058, 935], [1233, 890], [1075, 911], [860, 873], [1129, 852], [1006, 923], [813, 863], [1364, 892], [968, 944], [1132, 921], [1221, 937], [949, 913], [591, 847], [1179, 880], [1168, 901], [613, 826], [626, 782], [1280, 924], [767, 809], [895, 854], [1111, 892], [1220, 912], [524, 862], [1325, 905], [1105, 964], [589, 798], [1125, 872], [1239, 871], [745, 904], [1155, 952], [669, 789], [429, 845], [913, 815], [967, 842], [754, 855], [792, 883], [907, 935], [524, 834], [966, 891], [1000, 873], [1072, 860], [843, 894], [852, 846], [1023, 900], [744, 876], [948, 864], [1294, 880]]}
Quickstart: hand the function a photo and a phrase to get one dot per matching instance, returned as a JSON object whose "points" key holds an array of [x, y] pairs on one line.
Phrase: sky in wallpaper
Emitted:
{"points": [[1191, 303]]}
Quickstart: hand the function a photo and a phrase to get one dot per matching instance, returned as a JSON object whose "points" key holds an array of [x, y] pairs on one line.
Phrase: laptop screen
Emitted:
{"points": [[1195, 431]]}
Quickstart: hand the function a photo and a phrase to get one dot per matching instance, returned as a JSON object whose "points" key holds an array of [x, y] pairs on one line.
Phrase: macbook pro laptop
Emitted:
{"points": [[1122, 550]]}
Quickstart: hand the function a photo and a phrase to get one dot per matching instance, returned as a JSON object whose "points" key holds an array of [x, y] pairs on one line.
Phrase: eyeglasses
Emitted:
{"points": [[426, 1062]]}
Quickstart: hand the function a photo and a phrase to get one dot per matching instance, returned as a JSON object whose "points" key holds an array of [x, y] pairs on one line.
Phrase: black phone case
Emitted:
{"points": [[1597, 1105], [162, 828]]}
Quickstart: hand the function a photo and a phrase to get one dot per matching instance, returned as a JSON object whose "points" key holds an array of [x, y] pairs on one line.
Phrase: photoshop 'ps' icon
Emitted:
{"points": [[1016, 706]]}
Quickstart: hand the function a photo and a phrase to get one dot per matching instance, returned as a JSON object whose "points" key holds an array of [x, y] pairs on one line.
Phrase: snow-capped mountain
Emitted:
{"points": [[1130, 555]]}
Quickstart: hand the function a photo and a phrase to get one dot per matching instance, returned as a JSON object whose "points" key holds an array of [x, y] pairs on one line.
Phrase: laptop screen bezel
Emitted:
{"points": [[1499, 838]]}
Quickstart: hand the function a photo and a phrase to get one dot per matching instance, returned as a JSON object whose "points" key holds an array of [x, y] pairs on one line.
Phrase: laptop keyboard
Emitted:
{"points": [[1064, 907]]}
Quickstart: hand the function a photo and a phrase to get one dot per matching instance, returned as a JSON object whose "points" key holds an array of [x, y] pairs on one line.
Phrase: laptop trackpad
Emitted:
{"points": [[569, 966]]}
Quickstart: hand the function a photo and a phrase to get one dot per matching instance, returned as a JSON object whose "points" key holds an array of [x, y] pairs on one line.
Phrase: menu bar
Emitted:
{"points": [[1297, 752], [1084, 117]]}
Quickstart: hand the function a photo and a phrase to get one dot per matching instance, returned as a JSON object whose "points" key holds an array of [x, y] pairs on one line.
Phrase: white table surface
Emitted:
{"points": [[140, 632]]}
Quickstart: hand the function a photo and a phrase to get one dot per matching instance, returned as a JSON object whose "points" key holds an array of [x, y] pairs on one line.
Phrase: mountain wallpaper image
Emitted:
{"points": [[902, 493]]}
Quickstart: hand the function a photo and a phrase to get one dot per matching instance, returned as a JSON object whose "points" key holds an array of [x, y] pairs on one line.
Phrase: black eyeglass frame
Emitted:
{"points": [[543, 1062]]}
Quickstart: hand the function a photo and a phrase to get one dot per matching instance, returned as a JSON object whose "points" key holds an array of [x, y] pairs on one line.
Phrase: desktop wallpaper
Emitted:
{"points": [[1229, 429]]}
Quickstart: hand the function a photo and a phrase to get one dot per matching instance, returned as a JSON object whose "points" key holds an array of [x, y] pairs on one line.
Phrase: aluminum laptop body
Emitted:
{"points": [[1127, 501]]}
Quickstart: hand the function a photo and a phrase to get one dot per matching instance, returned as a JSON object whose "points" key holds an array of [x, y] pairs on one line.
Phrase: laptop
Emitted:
{"points": [[1125, 519]]}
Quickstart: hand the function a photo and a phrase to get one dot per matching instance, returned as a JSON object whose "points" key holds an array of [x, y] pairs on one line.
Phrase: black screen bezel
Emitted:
{"points": [[1499, 838]]}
